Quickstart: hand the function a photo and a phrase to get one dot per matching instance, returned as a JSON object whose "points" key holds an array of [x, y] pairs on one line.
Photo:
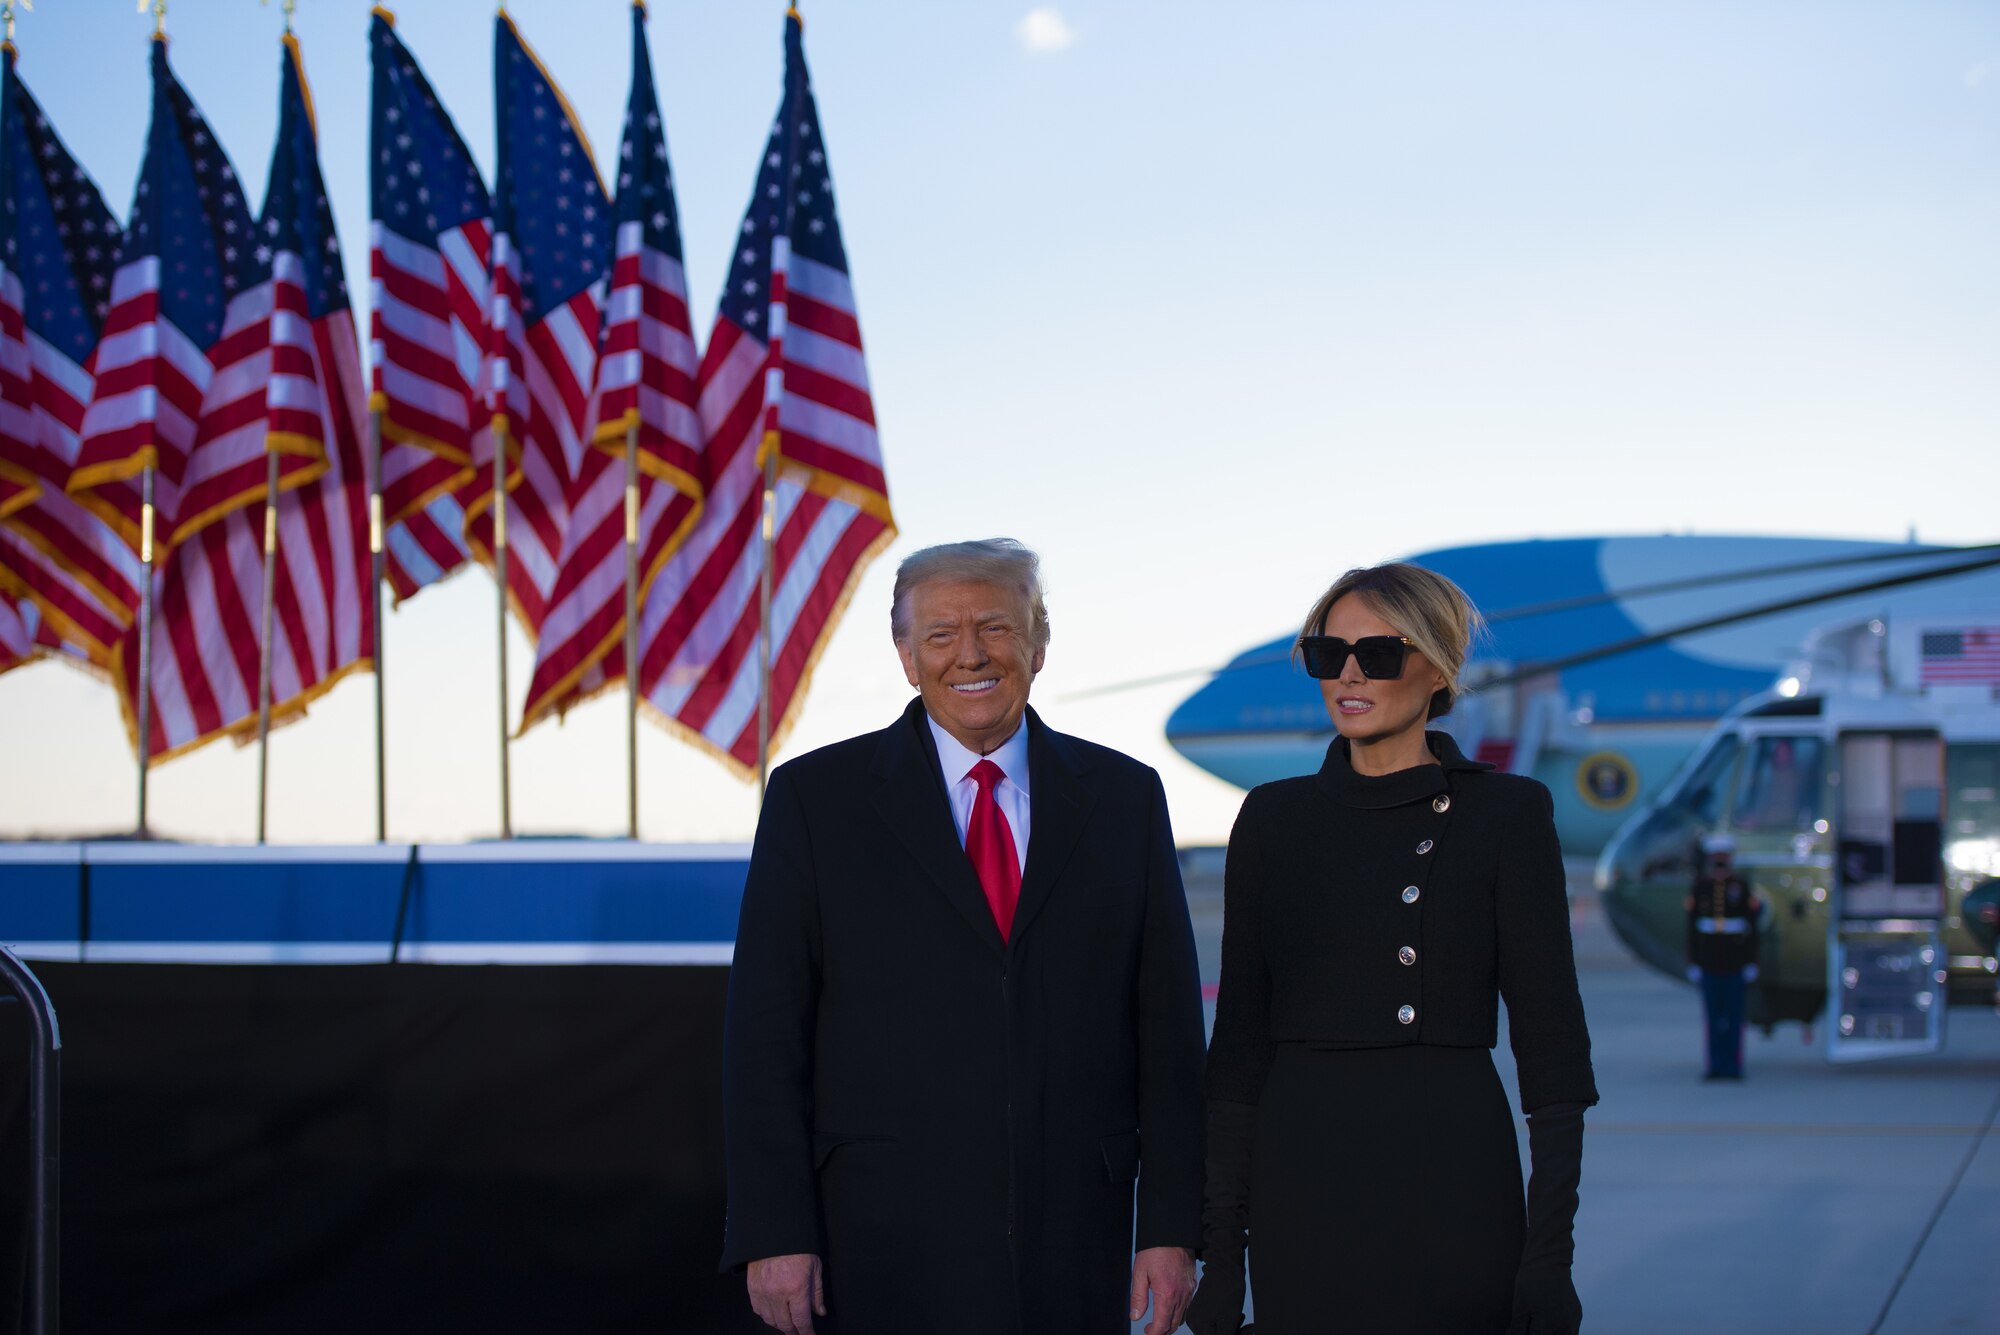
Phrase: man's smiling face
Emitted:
{"points": [[971, 654]]}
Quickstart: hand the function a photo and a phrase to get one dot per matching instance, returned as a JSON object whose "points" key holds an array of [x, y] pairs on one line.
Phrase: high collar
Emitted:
{"points": [[1374, 791]]}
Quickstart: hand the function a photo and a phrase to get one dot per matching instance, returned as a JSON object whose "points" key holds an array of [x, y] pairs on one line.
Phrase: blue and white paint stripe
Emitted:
{"points": [[525, 902]]}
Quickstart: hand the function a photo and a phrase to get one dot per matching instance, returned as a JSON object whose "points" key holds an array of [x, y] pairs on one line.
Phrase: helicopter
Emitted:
{"points": [[1609, 659], [1863, 794]]}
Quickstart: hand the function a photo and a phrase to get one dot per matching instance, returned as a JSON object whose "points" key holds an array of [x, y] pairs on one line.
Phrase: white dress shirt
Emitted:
{"points": [[1011, 793]]}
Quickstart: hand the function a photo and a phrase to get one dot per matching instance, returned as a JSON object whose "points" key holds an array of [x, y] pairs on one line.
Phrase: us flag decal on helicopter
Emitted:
{"points": [[1959, 657]]}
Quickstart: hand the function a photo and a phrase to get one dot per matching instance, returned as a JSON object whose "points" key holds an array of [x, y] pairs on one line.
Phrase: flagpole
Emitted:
{"points": [[264, 642], [774, 398], [376, 574], [764, 617], [632, 627], [264, 648], [500, 585], [145, 690], [145, 710]]}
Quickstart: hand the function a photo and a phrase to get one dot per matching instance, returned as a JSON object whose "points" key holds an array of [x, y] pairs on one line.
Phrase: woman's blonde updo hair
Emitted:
{"points": [[1424, 606]]}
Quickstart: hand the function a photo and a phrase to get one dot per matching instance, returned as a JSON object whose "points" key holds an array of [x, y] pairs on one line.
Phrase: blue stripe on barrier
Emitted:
{"points": [[39, 892], [604, 901], [243, 901], [540, 902]]}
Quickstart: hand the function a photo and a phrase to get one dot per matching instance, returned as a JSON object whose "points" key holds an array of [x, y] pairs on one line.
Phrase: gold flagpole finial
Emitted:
{"points": [[8, 6], [159, 8], [290, 8]]}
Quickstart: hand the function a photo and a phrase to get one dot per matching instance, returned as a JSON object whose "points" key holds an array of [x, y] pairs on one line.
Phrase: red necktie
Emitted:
{"points": [[989, 842]]}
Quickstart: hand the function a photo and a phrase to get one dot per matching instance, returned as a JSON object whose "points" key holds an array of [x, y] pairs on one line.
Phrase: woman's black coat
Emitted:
{"points": [[1332, 877]]}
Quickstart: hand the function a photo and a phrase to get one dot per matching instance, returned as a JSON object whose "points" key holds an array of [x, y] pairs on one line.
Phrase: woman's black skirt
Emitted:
{"points": [[1385, 1194]]}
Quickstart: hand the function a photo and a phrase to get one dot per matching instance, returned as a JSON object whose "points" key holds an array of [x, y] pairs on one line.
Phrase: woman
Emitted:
{"points": [[1374, 913]]}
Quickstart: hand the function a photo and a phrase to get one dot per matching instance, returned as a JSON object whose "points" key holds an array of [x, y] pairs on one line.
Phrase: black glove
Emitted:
{"points": [[1217, 1305], [1545, 1301], [1217, 1308]]}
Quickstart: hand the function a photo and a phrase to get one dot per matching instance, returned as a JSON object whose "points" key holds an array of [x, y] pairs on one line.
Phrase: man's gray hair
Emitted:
{"points": [[998, 561]]}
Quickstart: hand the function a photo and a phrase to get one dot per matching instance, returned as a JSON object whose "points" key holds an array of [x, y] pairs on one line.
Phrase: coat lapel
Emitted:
{"points": [[1060, 801], [909, 796]]}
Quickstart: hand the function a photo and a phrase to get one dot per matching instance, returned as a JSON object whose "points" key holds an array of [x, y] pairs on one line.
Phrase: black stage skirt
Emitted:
{"points": [[1385, 1194]]}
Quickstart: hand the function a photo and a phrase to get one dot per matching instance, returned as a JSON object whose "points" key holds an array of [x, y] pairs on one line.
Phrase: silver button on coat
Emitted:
{"points": [[1407, 955], [1441, 803], [1410, 893], [1407, 1014], [1425, 847]]}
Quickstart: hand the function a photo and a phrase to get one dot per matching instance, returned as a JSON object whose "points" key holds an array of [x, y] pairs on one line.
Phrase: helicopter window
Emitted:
{"points": [[1780, 786], [1807, 706], [1972, 783], [1972, 774], [1660, 846], [1702, 794]]}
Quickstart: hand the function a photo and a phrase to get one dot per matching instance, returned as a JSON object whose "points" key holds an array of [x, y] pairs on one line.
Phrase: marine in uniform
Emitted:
{"points": [[1362, 1155], [1722, 952]]}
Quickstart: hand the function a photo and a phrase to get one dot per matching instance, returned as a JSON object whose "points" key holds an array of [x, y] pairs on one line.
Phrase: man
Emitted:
{"points": [[1722, 951], [964, 1012]]}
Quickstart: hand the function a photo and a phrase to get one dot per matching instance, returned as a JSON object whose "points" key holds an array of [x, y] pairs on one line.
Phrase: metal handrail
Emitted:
{"points": [[44, 1145]]}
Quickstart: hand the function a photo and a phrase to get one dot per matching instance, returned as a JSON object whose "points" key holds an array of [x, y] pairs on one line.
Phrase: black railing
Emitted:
{"points": [[41, 1315]]}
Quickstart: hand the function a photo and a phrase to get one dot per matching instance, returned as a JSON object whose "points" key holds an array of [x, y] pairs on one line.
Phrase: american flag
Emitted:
{"points": [[206, 620], [1970, 655], [430, 233], [26, 635], [785, 350], [19, 626], [55, 613], [427, 545], [316, 394], [645, 378], [551, 247], [76, 615], [186, 351], [58, 243]]}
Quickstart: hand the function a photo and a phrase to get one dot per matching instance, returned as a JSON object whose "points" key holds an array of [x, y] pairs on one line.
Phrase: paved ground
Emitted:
{"points": [[1809, 1200]]}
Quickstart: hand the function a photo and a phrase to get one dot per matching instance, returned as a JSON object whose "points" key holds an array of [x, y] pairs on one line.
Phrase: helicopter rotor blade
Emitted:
{"points": [[1180, 674], [1692, 582], [1696, 627], [1637, 642], [1597, 599]]}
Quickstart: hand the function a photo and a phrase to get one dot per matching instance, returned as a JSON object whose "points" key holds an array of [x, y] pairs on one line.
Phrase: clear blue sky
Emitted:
{"points": [[1205, 301]]}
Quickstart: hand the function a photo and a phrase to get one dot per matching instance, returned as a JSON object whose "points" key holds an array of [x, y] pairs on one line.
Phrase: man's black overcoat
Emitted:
{"points": [[956, 1124]]}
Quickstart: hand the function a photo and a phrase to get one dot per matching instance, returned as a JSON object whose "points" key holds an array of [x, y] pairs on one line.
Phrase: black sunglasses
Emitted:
{"points": [[1381, 656]]}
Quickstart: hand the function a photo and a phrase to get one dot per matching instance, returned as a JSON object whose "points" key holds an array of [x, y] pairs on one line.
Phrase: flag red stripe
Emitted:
{"points": [[796, 651], [832, 321], [818, 387], [833, 460], [715, 684]]}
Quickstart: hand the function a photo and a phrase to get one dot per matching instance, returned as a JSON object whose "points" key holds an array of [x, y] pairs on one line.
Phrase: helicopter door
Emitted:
{"points": [[1884, 959]]}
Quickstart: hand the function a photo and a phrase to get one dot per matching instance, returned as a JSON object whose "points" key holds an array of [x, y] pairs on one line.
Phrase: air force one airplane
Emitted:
{"points": [[1609, 659]]}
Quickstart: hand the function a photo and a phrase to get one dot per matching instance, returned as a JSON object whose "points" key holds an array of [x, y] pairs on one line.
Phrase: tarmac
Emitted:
{"points": [[1810, 1199]]}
